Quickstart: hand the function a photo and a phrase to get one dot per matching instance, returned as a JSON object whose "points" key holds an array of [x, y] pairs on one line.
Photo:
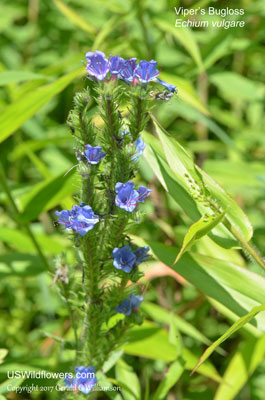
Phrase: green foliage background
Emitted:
{"points": [[217, 117]]}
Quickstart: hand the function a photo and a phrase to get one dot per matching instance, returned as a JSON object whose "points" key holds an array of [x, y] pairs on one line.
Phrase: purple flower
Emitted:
{"points": [[128, 304], [116, 64], [140, 146], [98, 65], [124, 258], [85, 378], [126, 197], [94, 154], [128, 70], [141, 254], [70, 381], [146, 71], [168, 86], [143, 192], [81, 219]]}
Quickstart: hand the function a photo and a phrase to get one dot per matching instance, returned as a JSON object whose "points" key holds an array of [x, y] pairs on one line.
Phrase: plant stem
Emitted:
{"points": [[246, 245], [73, 321]]}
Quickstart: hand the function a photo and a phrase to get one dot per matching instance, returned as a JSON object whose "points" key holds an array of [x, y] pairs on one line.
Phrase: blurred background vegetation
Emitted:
{"points": [[217, 116]]}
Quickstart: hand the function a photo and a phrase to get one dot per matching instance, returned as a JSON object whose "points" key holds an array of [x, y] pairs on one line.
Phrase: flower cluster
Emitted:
{"points": [[125, 259], [106, 163], [129, 71], [84, 379], [127, 197], [80, 219]]}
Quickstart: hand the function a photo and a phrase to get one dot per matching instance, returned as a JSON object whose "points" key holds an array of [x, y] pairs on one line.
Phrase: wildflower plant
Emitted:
{"points": [[108, 201]]}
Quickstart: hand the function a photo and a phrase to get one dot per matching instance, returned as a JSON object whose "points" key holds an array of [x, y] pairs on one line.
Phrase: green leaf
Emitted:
{"points": [[207, 369], [112, 360], [235, 327], [185, 36], [7, 77], [234, 174], [240, 368], [232, 317], [198, 230], [235, 287], [197, 181], [126, 376], [150, 341], [105, 32], [104, 382], [180, 191], [75, 18], [163, 316], [20, 241], [15, 114], [3, 354], [47, 195], [172, 376], [23, 265], [13, 382], [236, 87]]}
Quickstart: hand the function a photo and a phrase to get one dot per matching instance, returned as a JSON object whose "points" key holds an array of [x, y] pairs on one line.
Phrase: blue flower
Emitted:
{"points": [[146, 71], [85, 378], [98, 65], [143, 193], [128, 304], [140, 146], [141, 254], [116, 64], [168, 86], [70, 381], [94, 154], [124, 258], [128, 70], [126, 197], [81, 219]]}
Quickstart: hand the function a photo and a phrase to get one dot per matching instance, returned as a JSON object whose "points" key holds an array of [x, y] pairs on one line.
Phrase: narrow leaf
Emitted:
{"points": [[240, 368], [235, 327], [15, 114], [7, 77], [198, 230], [172, 376], [185, 36], [75, 18], [47, 195], [202, 187]]}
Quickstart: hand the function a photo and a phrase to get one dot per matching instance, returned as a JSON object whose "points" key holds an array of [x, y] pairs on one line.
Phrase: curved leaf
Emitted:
{"points": [[235, 287], [197, 231], [201, 186], [76, 19], [235, 327], [15, 114]]}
